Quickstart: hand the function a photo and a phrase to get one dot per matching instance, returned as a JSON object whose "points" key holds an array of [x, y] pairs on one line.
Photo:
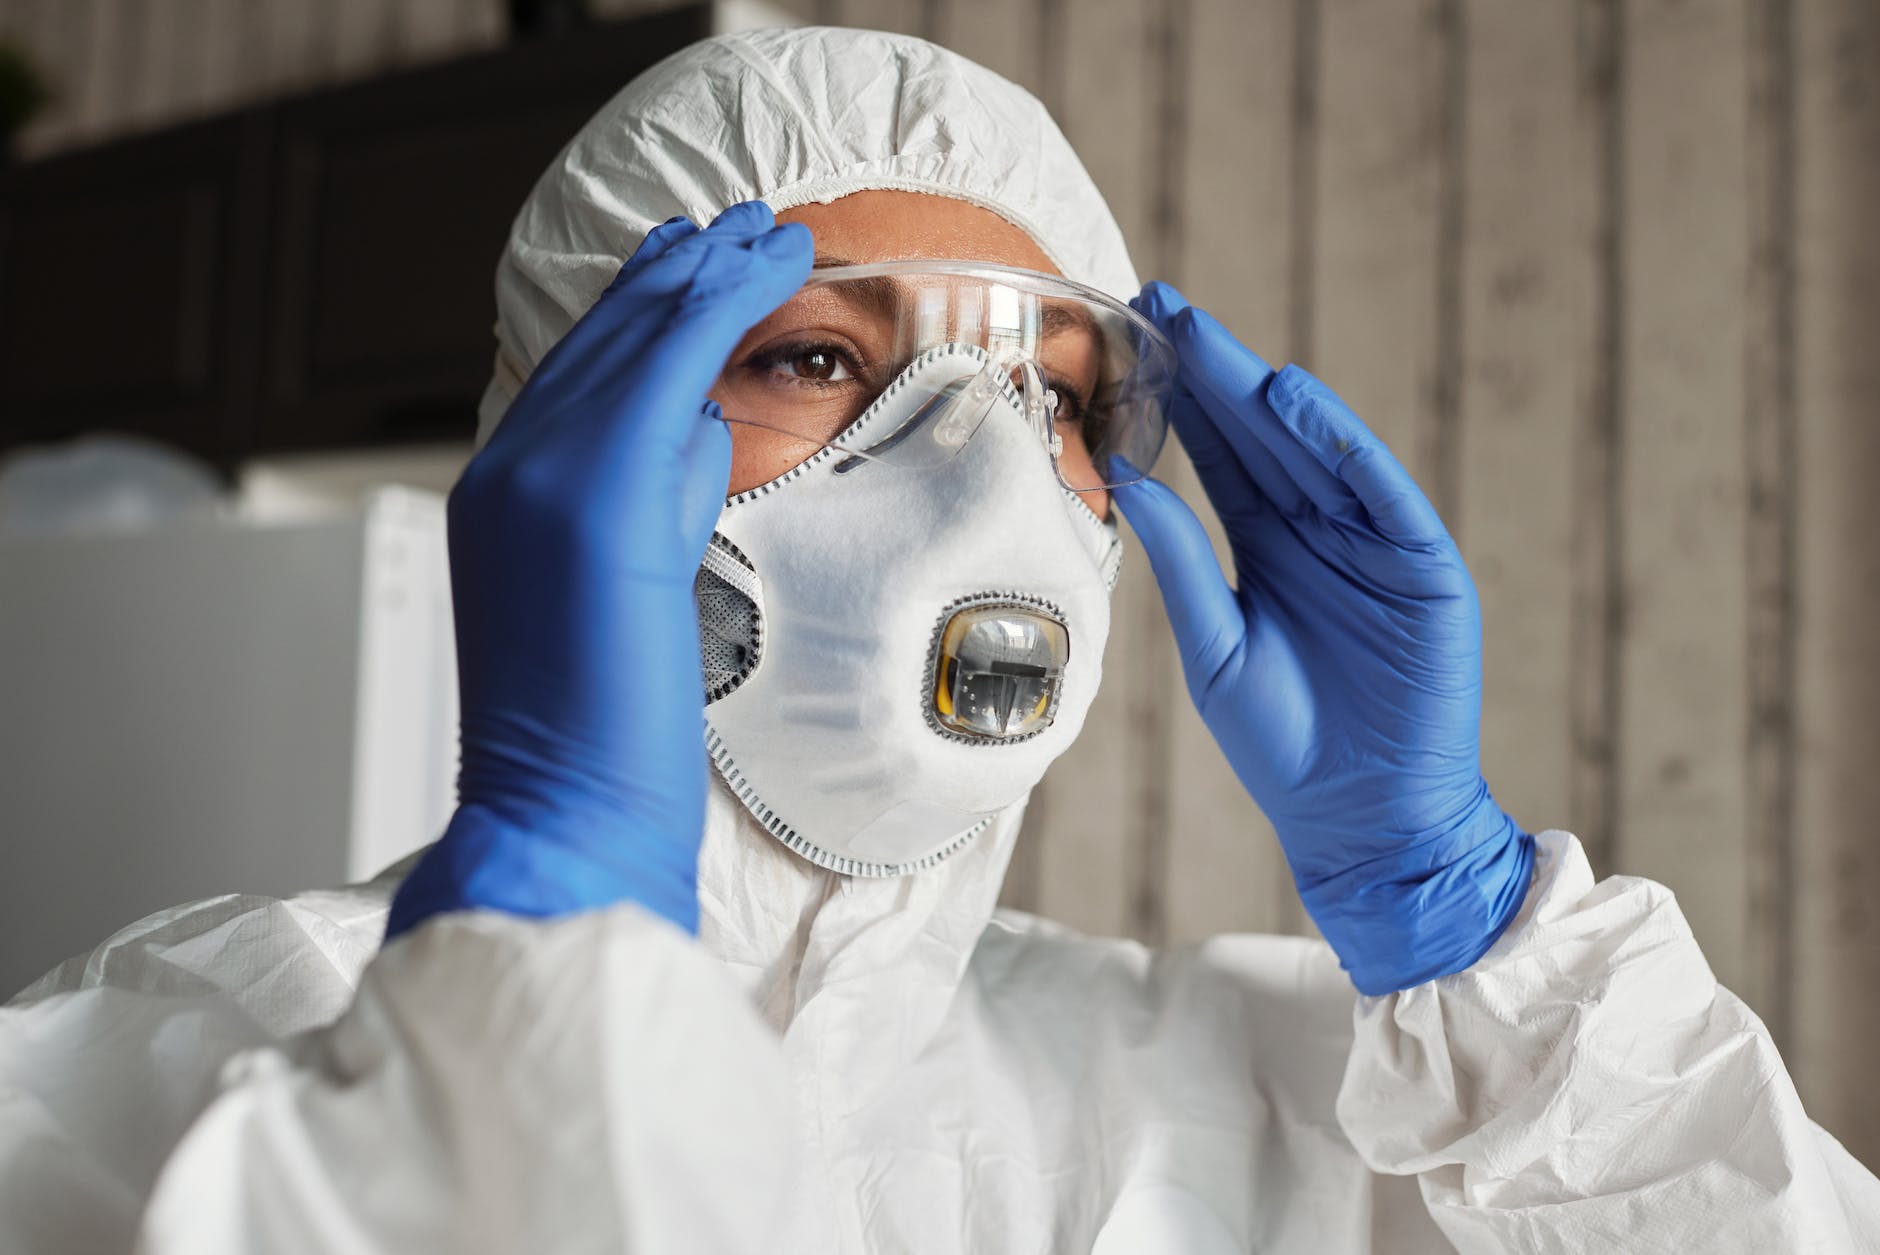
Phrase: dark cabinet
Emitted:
{"points": [[313, 273], [127, 288]]}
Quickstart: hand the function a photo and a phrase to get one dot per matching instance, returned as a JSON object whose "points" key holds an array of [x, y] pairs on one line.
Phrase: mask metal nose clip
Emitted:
{"points": [[998, 671], [945, 422]]}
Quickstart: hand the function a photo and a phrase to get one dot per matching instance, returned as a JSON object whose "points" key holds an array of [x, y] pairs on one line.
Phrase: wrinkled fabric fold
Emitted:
{"points": [[1588, 1081], [790, 117], [927, 1076], [889, 1065]]}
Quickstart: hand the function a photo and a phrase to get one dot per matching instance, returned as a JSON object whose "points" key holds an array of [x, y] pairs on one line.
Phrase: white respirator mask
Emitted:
{"points": [[901, 632]]}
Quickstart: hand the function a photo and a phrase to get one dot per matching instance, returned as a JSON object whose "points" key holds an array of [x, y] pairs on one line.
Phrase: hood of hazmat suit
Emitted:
{"points": [[922, 1073], [798, 117]]}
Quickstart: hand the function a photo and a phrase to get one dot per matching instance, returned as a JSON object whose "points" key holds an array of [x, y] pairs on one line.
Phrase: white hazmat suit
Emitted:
{"points": [[882, 1065]]}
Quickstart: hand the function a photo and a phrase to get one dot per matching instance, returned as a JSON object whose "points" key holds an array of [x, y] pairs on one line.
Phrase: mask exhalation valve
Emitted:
{"points": [[998, 671]]}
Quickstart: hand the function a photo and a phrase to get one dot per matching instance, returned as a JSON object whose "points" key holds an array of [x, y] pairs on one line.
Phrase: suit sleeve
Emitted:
{"points": [[1588, 1085], [497, 1085]]}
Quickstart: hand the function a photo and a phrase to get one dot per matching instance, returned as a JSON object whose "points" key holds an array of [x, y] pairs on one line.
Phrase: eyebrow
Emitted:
{"points": [[825, 260], [877, 296], [1060, 318]]}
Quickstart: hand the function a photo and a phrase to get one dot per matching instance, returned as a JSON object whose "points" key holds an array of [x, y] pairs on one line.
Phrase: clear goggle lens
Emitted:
{"points": [[1092, 376]]}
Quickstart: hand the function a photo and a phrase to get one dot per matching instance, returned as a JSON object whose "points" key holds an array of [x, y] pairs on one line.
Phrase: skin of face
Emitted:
{"points": [[889, 226]]}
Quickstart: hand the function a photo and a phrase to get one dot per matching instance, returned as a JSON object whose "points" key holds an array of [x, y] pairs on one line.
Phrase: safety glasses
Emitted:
{"points": [[1091, 376]]}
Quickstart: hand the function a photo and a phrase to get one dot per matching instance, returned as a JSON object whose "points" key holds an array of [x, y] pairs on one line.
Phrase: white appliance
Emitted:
{"points": [[217, 706]]}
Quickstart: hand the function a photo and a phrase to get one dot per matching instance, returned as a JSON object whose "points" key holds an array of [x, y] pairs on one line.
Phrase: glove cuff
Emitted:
{"points": [[561, 866], [1402, 920]]}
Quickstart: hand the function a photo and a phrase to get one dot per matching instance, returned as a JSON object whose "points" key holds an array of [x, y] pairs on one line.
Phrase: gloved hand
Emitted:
{"points": [[575, 536], [1342, 675]]}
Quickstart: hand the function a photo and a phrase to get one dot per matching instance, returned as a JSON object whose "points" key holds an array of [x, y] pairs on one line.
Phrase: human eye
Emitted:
{"points": [[1077, 416], [804, 364], [1071, 405], [806, 379], [1073, 409]]}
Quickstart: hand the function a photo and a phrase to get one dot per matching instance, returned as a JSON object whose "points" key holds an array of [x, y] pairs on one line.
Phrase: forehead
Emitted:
{"points": [[889, 226]]}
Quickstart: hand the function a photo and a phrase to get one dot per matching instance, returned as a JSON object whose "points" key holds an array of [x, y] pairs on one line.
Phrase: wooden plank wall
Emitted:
{"points": [[127, 65], [1602, 271], [1826, 389]]}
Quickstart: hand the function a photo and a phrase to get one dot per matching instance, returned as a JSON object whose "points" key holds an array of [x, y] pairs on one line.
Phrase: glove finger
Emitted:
{"points": [[707, 462], [1240, 477], [657, 244], [747, 217], [516, 424], [601, 360], [1238, 484], [1159, 302], [1225, 463], [630, 308], [643, 378], [679, 266], [1206, 618], [1231, 381], [1322, 424], [666, 379]]}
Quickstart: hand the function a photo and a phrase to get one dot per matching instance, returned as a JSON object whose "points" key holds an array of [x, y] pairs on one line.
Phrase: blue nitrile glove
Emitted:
{"points": [[1342, 676], [575, 536]]}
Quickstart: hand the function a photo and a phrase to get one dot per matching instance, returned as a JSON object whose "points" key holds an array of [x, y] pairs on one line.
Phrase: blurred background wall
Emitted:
{"points": [[1606, 275]]}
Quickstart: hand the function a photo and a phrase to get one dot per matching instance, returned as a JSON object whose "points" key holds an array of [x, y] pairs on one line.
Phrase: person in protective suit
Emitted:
{"points": [[823, 370]]}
